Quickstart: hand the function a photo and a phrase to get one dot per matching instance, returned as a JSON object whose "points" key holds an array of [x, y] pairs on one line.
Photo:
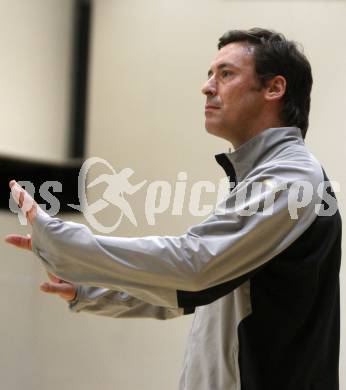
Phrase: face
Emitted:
{"points": [[235, 98]]}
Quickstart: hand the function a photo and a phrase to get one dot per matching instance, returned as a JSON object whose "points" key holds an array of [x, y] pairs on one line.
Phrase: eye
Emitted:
{"points": [[226, 73]]}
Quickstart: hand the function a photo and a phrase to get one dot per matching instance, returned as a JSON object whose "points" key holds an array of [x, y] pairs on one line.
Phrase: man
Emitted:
{"points": [[261, 273]]}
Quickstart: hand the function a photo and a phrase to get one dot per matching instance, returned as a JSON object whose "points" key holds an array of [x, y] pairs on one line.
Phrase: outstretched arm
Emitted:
{"points": [[210, 260]]}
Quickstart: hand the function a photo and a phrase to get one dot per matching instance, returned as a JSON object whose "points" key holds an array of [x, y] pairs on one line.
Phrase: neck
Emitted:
{"points": [[246, 134]]}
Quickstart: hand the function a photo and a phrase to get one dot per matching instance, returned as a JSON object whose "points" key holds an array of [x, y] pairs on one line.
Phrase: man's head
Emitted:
{"points": [[257, 80]]}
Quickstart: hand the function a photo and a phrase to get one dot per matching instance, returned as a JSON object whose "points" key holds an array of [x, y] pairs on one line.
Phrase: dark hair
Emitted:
{"points": [[275, 55]]}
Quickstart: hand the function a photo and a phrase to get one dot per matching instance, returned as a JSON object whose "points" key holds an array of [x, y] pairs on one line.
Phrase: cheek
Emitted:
{"points": [[233, 95], [246, 98], [232, 103]]}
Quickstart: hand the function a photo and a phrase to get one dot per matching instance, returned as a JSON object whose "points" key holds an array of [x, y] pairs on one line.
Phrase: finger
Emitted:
{"points": [[23, 242], [65, 290], [21, 197], [16, 190], [53, 288]]}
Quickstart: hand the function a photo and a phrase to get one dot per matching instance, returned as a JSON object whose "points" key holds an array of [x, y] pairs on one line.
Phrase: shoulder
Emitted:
{"points": [[293, 165]]}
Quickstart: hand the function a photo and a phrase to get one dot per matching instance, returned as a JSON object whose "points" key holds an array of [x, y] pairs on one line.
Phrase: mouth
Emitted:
{"points": [[210, 107]]}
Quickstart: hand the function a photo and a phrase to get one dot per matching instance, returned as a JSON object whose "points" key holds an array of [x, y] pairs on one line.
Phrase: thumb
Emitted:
{"points": [[23, 242]]}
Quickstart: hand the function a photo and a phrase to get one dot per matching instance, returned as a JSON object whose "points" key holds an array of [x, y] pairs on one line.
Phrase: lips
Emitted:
{"points": [[211, 107]]}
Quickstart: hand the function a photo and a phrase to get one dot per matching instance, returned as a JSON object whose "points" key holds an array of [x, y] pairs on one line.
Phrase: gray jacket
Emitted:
{"points": [[250, 272]]}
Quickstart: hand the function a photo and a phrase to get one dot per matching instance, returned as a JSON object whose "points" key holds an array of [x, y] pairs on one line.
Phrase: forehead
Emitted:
{"points": [[238, 54]]}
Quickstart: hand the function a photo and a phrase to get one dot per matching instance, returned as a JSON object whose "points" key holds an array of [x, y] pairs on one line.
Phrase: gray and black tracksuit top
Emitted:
{"points": [[261, 273]]}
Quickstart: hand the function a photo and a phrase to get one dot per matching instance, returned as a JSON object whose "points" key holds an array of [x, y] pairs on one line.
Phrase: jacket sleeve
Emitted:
{"points": [[116, 304], [208, 261]]}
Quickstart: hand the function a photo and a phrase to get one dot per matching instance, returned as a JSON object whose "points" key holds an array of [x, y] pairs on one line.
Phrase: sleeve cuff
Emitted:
{"points": [[74, 304]]}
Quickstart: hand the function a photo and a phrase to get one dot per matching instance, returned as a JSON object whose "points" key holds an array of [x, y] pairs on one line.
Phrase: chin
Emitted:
{"points": [[211, 128], [211, 131], [217, 132]]}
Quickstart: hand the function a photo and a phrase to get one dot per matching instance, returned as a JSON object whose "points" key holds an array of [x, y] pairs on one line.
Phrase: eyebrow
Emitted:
{"points": [[221, 66]]}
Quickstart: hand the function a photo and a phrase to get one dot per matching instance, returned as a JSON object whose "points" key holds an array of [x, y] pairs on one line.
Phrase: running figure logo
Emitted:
{"points": [[118, 184]]}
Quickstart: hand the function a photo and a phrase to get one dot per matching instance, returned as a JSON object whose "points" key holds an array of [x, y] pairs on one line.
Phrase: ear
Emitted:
{"points": [[275, 88]]}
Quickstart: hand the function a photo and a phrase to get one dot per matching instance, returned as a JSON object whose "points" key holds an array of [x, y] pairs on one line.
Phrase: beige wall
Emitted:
{"points": [[149, 60], [35, 47], [35, 44]]}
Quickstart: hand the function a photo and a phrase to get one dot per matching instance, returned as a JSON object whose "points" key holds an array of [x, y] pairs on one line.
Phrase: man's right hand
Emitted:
{"points": [[65, 290]]}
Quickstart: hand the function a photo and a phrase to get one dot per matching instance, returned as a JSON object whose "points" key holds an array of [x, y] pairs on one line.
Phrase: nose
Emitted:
{"points": [[209, 87]]}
